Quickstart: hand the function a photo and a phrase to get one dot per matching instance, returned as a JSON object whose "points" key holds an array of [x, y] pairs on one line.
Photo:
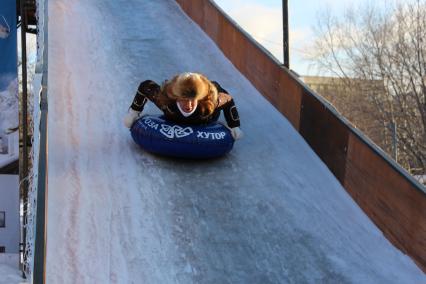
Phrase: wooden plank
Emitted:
{"points": [[211, 26], [326, 134], [291, 102], [388, 199]]}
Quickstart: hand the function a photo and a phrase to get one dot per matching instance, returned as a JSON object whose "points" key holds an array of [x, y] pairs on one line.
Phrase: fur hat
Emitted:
{"points": [[189, 86]]}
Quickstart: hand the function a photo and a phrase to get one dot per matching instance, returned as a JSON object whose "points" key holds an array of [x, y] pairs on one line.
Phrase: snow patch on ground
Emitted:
{"points": [[10, 274]]}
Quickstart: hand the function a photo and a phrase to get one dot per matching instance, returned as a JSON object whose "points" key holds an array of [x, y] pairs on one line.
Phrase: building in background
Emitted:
{"points": [[9, 136], [9, 99], [9, 220]]}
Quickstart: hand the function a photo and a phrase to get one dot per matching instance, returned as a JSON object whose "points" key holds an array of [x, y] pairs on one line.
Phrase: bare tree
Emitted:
{"points": [[386, 45]]}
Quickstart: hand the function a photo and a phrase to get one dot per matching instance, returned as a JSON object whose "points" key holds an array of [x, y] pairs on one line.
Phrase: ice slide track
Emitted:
{"points": [[270, 212]]}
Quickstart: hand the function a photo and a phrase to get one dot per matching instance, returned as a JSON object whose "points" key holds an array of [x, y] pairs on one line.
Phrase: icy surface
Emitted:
{"points": [[269, 212]]}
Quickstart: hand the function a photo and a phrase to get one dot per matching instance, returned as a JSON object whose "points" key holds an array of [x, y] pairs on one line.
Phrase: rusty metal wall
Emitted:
{"points": [[393, 200]]}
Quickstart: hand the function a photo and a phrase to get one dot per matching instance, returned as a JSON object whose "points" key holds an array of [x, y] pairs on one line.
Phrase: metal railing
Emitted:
{"points": [[40, 233]]}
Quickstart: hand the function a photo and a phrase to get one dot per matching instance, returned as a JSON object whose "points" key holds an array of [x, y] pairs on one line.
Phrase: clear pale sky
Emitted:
{"points": [[263, 20]]}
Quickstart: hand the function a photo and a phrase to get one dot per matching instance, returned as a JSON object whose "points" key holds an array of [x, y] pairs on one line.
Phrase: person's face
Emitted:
{"points": [[187, 105]]}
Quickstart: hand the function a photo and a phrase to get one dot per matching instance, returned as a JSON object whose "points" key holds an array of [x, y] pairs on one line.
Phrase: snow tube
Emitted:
{"points": [[157, 135]]}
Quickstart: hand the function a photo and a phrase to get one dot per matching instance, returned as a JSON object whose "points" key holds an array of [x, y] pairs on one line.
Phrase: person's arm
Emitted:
{"points": [[231, 114], [226, 103], [232, 119], [146, 90]]}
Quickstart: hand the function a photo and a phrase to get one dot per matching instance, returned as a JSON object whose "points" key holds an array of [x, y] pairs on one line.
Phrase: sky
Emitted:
{"points": [[263, 20]]}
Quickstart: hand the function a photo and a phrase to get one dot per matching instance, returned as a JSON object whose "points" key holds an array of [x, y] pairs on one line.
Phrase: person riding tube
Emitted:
{"points": [[189, 98]]}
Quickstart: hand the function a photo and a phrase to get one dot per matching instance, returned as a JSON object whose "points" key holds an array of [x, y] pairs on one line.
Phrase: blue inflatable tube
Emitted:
{"points": [[157, 135]]}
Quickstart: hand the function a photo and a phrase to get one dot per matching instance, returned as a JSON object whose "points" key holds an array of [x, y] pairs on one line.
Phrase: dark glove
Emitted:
{"points": [[149, 88]]}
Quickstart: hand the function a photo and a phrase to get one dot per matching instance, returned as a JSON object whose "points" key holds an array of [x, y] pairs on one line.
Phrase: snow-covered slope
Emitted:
{"points": [[269, 212]]}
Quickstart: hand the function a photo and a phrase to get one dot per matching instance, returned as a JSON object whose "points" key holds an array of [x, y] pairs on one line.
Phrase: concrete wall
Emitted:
{"points": [[9, 202], [393, 199]]}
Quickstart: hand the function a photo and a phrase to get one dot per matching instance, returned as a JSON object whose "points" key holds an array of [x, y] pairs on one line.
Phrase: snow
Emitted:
{"points": [[10, 274], [269, 212], [421, 178], [9, 107]]}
